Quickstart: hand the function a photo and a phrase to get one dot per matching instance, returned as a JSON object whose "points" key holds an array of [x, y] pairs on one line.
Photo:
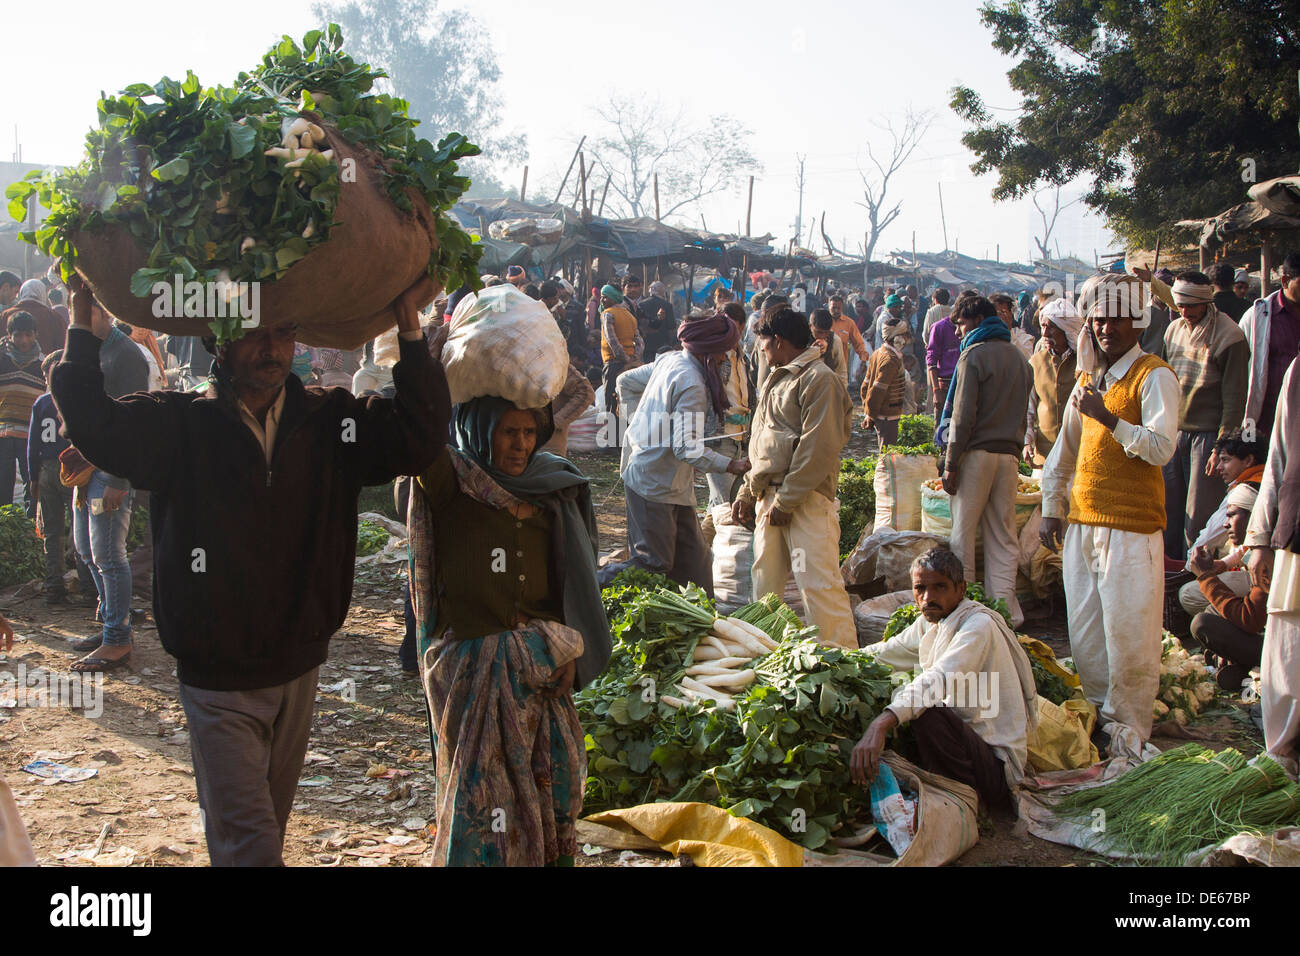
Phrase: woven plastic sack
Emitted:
{"points": [[504, 343], [898, 490], [733, 560]]}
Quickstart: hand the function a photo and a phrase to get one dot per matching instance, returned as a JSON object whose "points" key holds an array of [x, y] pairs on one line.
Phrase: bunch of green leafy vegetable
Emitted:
{"points": [[1025, 468], [857, 497], [780, 758], [800, 723], [901, 620], [620, 711], [915, 430], [21, 556], [1049, 685], [371, 538], [928, 448], [183, 169]]}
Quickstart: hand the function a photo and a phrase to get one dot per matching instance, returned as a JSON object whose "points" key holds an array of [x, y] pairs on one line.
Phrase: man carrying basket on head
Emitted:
{"points": [[255, 486]]}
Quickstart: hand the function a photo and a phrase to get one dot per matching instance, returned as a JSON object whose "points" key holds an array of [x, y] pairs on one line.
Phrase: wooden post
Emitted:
{"points": [[657, 206], [1265, 269], [942, 220], [916, 267], [645, 279], [565, 181], [785, 269], [523, 187], [738, 286], [749, 206], [603, 194], [1204, 254], [582, 185], [997, 255], [703, 223]]}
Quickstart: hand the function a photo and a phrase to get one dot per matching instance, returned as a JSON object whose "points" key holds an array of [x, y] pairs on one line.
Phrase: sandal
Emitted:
{"points": [[98, 665]]}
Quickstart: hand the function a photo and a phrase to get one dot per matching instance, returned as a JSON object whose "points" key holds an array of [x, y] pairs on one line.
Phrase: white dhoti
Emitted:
{"points": [[1114, 589], [1279, 686], [986, 500], [809, 545]]}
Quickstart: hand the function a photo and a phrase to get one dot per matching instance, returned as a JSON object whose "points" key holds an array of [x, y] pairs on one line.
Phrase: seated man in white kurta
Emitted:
{"points": [[973, 702]]}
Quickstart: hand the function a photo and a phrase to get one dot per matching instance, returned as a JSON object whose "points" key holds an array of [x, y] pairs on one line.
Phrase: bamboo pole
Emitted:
{"points": [[656, 197], [749, 206], [523, 187], [565, 181], [582, 185], [603, 194]]}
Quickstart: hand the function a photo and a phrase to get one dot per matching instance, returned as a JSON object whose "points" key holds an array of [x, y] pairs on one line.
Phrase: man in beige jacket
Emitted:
{"points": [[800, 427]]}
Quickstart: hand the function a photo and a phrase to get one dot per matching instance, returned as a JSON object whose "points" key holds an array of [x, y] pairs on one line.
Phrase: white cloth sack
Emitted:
{"points": [[504, 343]]}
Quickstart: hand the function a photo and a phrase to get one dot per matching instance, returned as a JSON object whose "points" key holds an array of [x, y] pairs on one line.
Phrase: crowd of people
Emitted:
{"points": [[1162, 452]]}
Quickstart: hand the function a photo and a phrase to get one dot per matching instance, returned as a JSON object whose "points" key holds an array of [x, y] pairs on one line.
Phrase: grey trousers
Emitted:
{"points": [[667, 539], [1190, 496], [249, 747]]}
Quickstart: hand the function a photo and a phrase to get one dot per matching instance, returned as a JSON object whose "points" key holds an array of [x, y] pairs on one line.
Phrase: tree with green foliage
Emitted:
{"points": [[444, 65], [1171, 109]]}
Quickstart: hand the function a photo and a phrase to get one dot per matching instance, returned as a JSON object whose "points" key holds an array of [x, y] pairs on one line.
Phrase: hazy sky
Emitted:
{"points": [[810, 78]]}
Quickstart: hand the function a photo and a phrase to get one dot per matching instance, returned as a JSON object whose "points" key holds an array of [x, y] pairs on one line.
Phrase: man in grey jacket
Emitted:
{"points": [[981, 467]]}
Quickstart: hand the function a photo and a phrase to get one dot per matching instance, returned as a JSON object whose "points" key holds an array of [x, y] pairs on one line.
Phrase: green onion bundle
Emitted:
{"points": [[1185, 799]]}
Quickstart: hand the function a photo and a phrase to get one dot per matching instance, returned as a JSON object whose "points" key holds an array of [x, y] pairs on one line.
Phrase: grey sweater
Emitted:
{"points": [[993, 383]]}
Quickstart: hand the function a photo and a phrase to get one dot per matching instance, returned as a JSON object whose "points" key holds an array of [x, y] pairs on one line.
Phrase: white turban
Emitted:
{"points": [[1111, 294], [1062, 314], [1243, 495], [1190, 293]]}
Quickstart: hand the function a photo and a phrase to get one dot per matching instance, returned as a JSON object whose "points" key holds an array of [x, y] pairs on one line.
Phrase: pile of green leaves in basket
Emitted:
{"points": [[231, 183], [749, 712]]}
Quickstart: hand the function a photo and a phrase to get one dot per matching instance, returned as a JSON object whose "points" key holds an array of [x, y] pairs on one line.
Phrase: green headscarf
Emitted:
{"points": [[555, 484], [612, 294]]}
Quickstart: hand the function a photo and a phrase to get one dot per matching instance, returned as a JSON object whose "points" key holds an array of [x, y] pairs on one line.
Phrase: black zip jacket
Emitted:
{"points": [[252, 565]]}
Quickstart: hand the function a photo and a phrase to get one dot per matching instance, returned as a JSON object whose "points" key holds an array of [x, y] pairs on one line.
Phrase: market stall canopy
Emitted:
{"points": [[1241, 219], [1281, 195], [953, 268]]}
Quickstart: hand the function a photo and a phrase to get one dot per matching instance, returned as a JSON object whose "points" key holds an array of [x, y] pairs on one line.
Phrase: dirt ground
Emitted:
{"points": [[366, 795]]}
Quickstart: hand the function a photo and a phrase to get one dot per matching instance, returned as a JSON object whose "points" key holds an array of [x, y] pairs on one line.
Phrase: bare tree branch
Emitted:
{"points": [[1049, 222], [692, 162], [901, 144]]}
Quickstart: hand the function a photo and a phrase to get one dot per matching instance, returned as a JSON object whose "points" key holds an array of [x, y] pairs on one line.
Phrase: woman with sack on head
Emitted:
{"points": [[509, 623]]}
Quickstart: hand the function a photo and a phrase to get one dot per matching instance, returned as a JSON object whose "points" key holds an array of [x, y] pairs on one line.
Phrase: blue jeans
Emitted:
{"points": [[101, 542]]}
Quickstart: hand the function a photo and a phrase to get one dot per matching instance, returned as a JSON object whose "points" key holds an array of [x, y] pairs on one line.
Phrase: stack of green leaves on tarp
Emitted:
{"points": [[1184, 800], [780, 758]]}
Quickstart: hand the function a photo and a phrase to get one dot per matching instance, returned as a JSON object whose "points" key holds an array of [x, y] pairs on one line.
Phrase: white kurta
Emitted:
{"points": [[968, 655], [1279, 673], [1114, 580]]}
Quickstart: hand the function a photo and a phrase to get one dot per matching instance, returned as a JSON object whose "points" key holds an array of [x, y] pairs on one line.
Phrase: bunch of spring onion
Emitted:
{"points": [[1184, 800]]}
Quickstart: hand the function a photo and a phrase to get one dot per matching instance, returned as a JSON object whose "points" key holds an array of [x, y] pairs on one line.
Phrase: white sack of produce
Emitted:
{"points": [[504, 343], [898, 490], [733, 560]]}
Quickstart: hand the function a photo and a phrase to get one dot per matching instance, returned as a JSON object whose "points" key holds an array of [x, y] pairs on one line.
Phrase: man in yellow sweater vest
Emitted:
{"points": [[1120, 428]]}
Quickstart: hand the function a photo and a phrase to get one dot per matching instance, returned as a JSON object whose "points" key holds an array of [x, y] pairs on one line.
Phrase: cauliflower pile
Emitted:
{"points": [[1186, 683]]}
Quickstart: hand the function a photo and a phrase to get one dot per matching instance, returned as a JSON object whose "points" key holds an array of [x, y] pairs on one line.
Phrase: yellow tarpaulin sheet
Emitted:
{"points": [[709, 835]]}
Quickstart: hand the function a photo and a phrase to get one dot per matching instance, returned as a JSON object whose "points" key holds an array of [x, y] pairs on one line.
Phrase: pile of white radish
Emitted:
{"points": [[720, 665], [301, 139]]}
